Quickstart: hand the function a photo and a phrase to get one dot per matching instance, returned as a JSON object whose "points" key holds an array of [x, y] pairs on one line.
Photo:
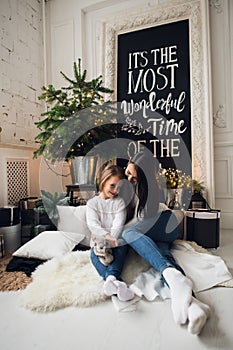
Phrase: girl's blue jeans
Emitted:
{"points": [[116, 267], [151, 238]]}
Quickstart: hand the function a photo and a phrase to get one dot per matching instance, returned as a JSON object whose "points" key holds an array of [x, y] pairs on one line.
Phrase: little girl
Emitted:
{"points": [[106, 215]]}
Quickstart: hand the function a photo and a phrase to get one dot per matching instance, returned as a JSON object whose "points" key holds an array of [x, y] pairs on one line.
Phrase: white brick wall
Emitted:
{"points": [[21, 70]]}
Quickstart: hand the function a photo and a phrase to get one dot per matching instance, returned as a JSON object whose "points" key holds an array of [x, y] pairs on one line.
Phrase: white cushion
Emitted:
{"points": [[73, 219], [49, 244]]}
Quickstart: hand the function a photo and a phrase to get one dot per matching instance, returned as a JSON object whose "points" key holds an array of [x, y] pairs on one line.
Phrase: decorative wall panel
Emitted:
{"points": [[223, 177], [197, 13], [17, 180], [62, 51]]}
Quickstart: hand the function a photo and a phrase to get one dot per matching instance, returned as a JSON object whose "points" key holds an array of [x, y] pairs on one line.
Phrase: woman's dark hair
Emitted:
{"points": [[148, 192]]}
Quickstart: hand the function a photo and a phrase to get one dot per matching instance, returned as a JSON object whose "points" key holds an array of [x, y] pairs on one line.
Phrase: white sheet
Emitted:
{"points": [[205, 271]]}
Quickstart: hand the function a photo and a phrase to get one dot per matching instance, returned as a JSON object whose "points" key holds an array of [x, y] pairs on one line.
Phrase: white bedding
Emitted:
{"points": [[72, 280]]}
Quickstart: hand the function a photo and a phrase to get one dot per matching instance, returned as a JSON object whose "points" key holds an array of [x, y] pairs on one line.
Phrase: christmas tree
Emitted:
{"points": [[70, 110]]}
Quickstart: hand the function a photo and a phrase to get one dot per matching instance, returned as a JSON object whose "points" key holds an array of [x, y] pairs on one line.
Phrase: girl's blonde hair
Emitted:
{"points": [[106, 172]]}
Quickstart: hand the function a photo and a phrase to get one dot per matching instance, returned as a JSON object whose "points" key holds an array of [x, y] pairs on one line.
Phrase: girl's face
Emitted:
{"points": [[110, 188], [131, 173]]}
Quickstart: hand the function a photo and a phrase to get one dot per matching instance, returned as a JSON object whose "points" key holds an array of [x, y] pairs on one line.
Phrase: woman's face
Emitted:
{"points": [[131, 173], [111, 187]]}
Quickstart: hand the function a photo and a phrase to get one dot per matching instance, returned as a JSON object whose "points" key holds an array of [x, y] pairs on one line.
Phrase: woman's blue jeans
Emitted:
{"points": [[151, 238], [116, 266]]}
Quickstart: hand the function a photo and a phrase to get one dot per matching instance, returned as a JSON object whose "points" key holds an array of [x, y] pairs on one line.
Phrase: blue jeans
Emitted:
{"points": [[116, 266], [152, 239]]}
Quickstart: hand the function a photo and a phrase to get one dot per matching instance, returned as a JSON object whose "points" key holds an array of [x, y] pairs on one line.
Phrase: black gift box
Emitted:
{"points": [[202, 226], [9, 216]]}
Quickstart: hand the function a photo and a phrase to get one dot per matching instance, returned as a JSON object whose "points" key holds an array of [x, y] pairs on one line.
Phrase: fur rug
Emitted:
{"points": [[72, 280]]}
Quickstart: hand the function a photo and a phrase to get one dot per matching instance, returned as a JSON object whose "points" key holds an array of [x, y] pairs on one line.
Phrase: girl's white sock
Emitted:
{"points": [[198, 313], [181, 293], [109, 287], [123, 292]]}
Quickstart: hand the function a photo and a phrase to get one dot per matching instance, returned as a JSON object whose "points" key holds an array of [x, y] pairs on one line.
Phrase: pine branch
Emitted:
{"points": [[65, 103]]}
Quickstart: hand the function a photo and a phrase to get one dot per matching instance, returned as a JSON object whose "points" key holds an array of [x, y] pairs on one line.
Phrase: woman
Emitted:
{"points": [[151, 237], [106, 216]]}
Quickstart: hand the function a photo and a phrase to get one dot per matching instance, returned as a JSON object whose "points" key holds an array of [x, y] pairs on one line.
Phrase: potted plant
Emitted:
{"points": [[73, 122], [46, 208]]}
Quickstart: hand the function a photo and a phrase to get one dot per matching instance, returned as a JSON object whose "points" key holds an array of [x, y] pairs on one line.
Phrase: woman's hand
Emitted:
{"points": [[112, 240]]}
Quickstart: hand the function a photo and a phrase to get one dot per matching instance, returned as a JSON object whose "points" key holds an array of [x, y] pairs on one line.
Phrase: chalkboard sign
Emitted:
{"points": [[153, 91]]}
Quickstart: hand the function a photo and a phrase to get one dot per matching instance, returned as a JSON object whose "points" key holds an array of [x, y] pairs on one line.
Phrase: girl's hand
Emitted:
{"points": [[112, 240]]}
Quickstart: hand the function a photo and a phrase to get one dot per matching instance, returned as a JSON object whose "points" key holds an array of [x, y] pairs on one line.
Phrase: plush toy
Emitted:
{"points": [[102, 249]]}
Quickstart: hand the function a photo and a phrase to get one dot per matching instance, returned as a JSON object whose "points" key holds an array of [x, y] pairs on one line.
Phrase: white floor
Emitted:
{"points": [[103, 328]]}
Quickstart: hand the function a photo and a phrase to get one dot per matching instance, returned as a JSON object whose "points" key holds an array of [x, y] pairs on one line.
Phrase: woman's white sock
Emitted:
{"points": [[109, 287], [181, 293], [198, 313], [123, 292]]}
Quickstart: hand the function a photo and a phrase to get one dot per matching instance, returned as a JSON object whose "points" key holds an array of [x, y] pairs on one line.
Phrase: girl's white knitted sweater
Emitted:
{"points": [[106, 216]]}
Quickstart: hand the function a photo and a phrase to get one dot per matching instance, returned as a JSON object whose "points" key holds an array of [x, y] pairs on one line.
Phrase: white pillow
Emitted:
{"points": [[49, 244], [73, 219]]}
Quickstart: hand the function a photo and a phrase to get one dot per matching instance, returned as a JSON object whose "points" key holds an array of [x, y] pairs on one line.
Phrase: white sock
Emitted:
{"points": [[198, 313], [109, 287], [181, 293], [123, 292]]}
